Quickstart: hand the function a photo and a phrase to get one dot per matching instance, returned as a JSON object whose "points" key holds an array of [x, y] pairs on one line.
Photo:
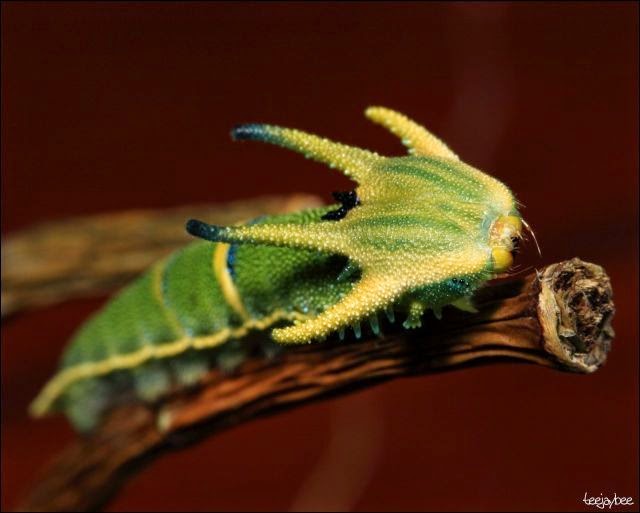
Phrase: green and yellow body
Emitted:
{"points": [[426, 231]]}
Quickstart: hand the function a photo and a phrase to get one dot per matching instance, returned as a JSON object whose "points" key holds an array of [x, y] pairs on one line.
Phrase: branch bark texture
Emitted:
{"points": [[558, 317]]}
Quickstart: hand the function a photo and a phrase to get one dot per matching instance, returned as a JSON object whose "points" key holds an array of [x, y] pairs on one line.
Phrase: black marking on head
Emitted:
{"points": [[515, 243], [335, 215], [348, 200], [203, 230]]}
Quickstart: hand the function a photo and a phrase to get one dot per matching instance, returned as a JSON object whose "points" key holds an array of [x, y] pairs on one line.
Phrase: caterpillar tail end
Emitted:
{"points": [[39, 407]]}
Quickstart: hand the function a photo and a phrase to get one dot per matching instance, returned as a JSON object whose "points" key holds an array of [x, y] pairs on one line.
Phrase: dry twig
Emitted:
{"points": [[559, 318]]}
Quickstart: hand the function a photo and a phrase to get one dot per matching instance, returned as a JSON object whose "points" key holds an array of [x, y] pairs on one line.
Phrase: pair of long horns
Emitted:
{"points": [[356, 163]]}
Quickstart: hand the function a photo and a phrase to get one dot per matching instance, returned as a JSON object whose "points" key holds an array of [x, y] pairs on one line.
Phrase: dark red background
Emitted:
{"points": [[112, 106]]}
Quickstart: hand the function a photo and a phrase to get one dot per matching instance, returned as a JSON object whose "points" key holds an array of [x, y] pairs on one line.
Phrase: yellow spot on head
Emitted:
{"points": [[504, 231], [503, 238], [504, 228], [513, 222], [502, 259]]}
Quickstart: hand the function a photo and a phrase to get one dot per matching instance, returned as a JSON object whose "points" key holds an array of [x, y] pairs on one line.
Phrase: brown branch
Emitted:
{"points": [[559, 318], [93, 255]]}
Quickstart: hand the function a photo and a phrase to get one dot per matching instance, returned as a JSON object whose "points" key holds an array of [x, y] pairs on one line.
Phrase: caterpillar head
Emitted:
{"points": [[504, 239], [419, 226]]}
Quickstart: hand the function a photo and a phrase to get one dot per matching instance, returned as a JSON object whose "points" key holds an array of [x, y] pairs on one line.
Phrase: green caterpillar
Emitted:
{"points": [[420, 231]]}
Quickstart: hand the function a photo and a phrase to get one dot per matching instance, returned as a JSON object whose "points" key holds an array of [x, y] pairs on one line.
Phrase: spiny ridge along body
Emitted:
{"points": [[426, 230]]}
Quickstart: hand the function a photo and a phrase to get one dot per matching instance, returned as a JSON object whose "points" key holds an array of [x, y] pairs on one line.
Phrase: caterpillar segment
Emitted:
{"points": [[419, 232]]}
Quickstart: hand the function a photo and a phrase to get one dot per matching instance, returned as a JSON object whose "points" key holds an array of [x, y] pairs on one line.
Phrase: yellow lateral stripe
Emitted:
{"points": [[64, 379], [229, 290], [158, 294]]}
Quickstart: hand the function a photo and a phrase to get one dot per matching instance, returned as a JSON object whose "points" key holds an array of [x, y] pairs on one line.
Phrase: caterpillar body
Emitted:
{"points": [[419, 232]]}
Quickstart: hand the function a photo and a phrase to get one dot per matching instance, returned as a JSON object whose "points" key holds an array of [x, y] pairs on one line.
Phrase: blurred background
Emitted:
{"points": [[110, 106]]}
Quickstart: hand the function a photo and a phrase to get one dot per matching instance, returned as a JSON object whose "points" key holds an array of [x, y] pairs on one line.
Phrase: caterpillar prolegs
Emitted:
{"points": [[419, 232]]}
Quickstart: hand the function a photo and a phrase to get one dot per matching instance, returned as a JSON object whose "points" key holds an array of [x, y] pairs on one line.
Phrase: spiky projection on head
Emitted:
{"points": [[426, 232]]}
